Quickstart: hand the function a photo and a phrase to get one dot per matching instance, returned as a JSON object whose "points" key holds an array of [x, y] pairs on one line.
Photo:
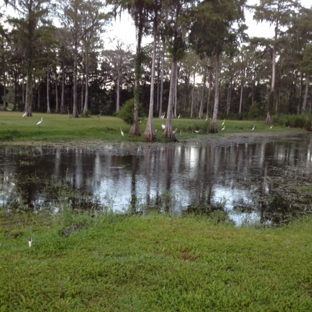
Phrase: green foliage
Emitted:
{"points": [[306, 64], [294, 121], [255, 111], [126, 112]]}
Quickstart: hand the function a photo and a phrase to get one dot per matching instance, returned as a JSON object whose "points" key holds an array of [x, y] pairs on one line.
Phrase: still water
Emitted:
{"points": [[247, 179]]}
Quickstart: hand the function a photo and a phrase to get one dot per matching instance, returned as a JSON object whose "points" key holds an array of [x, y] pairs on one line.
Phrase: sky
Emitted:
{"points": [[123, 28]]}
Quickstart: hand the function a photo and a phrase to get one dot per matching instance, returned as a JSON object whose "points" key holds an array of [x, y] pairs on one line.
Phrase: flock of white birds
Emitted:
{"points": [[163, 126]]}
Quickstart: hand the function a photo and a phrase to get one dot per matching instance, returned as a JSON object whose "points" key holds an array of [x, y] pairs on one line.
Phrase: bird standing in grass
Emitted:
{"points": [[223, 122], [253, 128], [163, 126], [99, 115], [30, 242], [122, 132], [223, 128], [39, 122], [24, 115]]}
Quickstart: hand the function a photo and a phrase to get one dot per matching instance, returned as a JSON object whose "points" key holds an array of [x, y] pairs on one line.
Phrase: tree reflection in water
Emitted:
{"points": [[260, 180]]}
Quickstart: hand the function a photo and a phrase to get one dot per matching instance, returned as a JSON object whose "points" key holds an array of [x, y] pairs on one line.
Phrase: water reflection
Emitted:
{"points": [[246, 180]]}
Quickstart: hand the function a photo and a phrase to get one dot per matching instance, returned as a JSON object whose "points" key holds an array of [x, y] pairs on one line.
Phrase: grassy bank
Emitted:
{"points": [[56, 127], [152, 263]]}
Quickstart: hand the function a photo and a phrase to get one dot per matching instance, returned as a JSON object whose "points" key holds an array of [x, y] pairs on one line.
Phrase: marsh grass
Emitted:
{"points": [[57, 127], [114, 262]]}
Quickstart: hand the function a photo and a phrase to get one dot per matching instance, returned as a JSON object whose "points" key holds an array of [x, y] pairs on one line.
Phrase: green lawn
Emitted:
{"points": [[153, 263], [57, 127]]}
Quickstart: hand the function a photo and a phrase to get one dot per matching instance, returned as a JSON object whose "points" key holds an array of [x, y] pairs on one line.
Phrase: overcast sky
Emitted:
{"points": [[123, 29]]}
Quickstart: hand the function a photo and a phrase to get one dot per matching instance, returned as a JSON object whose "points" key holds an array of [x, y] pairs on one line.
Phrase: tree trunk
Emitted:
{"points": [[193, 92], [135, 130], [228, 98], [48, 91], [273, 69], [15, 107], [63, 90], [86, 100], [268, 119], [162, 79], [176, 94], [118, 89], [56, 99], [241, 98], [149, 133], [214, 125], [75, 107], [304, 104], [168, 133], [29, 95], [201, 107]]}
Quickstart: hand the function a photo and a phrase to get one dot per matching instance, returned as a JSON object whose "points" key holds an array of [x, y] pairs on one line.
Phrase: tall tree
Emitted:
{"points": [[226, 19], [279, 13], [120, 62], [79, 18], [306, 67], [29, 28], [92, 26], [176, 26], [149, 133]]}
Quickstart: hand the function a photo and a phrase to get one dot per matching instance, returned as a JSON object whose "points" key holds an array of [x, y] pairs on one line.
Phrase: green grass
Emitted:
{"points": [[57, 127], [153, 263]]}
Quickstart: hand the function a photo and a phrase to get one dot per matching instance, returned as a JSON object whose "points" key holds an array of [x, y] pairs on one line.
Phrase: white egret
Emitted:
{"points": [[99, 115], [122, 132], [223, 122], [179, 116], [24, 115], [223, 128], [253, 128], [196, 131], [271, 127], [30, 242], [163, 126], [39, 122], [174, 131]]}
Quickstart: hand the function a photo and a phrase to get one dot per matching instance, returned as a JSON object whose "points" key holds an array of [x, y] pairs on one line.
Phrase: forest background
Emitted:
{"points": [[191, 59]]}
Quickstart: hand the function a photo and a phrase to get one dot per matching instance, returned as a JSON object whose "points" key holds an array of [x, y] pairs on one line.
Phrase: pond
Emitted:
{"points": [[242, 179]]}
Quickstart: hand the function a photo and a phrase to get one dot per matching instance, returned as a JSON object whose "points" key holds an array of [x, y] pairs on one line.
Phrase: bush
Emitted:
{"points": [[294, 121], [126, 112]]}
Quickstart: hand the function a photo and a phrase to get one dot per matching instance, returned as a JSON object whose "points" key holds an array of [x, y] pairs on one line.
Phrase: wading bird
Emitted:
{"points": [[271, 127], [179, 116], [223, 122], [122, 132], [174, 131], [39, 122], [196, 131], [223, 128], [24, 115], [253, 128], [99, 115], [30, 242], [163, 126]]}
